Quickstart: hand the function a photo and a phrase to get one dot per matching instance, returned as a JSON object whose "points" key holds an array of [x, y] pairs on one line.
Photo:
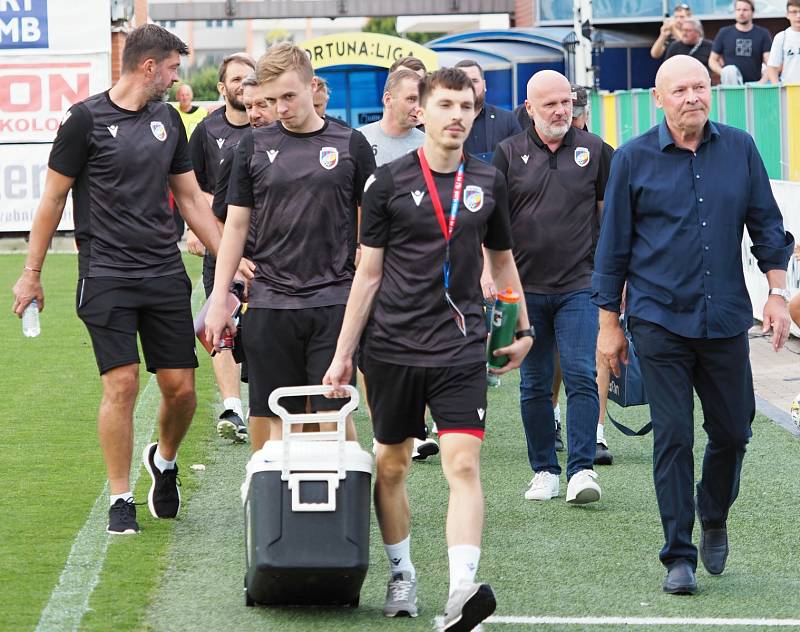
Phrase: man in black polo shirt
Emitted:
{"points": [[556, 179], [302, 178], [119, 152], [213, 140], [425, 333]]}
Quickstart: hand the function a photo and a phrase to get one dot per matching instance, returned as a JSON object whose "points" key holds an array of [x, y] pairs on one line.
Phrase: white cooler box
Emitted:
{"points": [[306, 512]]}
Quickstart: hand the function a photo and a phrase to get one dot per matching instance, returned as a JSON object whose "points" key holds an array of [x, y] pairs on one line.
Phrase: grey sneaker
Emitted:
{"points": [[468, 606], [401, 596], [230, 426]]}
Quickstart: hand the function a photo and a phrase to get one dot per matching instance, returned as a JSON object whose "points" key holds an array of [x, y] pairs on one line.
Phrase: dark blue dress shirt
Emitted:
{"points": [[672, 227]]}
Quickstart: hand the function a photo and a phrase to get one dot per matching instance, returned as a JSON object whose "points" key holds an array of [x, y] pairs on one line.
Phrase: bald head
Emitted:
{"points": [[683, 91], [546, 81], [680, 67], [549, 104], [184, 96]]}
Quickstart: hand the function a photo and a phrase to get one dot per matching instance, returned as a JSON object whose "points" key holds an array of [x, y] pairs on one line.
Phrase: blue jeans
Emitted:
{"points": [[567, 322]]}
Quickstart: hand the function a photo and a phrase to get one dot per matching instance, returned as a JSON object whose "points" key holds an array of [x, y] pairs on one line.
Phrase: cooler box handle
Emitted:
{"points": [[300, 391], [338, 417], [294, 485]]}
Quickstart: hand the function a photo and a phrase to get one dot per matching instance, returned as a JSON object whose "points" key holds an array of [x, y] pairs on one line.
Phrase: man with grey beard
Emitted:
{"points": [[556, 177]]}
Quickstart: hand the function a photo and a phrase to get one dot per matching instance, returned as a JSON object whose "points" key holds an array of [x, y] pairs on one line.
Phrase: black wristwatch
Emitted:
{"points": [[525, 333]]}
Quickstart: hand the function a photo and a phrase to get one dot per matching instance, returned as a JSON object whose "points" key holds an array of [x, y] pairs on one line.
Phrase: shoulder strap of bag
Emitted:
{"points": [[627, 431]]}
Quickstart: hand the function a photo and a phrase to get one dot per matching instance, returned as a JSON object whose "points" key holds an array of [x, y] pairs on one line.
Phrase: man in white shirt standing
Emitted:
{"points": [[396, 133], [784, 57]]}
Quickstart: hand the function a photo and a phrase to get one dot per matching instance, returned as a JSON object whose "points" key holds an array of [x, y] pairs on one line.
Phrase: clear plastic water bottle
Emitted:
{"points": [[30, 320]]}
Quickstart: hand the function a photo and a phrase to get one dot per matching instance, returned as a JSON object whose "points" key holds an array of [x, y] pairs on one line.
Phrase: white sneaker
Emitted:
{"points": [[544, 486], [583, 488], [423, 449]]}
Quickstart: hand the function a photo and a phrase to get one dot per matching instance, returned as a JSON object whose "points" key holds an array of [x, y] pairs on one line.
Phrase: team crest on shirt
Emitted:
{"points": [[220, 142], [328, 157], [473, 198], [417, 196], [581, 156], [159, 131]]}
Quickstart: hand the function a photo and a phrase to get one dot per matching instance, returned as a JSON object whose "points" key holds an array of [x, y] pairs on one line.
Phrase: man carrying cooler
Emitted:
{"points": [[417, 292]]}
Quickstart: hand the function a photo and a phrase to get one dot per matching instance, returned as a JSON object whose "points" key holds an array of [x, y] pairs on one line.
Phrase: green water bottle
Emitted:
{"points": [[504, 322]]}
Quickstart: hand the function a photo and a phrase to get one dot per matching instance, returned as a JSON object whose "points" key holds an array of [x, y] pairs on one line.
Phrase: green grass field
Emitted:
{"points": [[543, 559]]}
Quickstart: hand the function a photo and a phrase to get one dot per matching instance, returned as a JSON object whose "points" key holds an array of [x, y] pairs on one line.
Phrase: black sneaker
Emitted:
{"points": [[164, 497], [122, 518], [602, 455], [559, 441], [230, 426]]}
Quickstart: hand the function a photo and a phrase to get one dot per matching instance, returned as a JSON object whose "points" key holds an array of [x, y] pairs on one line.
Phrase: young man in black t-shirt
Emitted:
{"points": [[211, 143], [739, 51], [119, 152], [420, 352], [302, 179]]}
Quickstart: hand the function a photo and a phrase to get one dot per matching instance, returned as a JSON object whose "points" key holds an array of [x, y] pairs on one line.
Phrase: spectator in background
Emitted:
{"points": [[784, 58], [191, 114], [739, 51], [492, 124], [670, 30], [395, 134], [321, 96], [691, 42]]}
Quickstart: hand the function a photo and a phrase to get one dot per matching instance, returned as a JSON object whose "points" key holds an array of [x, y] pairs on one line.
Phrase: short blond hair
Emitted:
{"points": [[281, 58]]}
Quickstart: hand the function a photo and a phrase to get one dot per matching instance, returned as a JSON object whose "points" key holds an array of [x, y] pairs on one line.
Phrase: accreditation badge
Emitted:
{"points": [[458, 316]]}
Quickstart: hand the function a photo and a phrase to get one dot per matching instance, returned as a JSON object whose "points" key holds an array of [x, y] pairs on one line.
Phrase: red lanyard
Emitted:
{"points": [[449, 227]]}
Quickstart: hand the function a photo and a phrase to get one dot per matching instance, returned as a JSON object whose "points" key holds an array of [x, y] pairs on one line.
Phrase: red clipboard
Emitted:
{"points": [[234, 305]]}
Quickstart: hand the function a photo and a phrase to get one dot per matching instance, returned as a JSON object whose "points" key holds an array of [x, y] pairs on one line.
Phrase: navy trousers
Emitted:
{"points": [[719, 370]]}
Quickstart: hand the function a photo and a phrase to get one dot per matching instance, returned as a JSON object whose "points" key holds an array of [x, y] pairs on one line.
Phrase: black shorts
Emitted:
{"points": [[399, 394], [209, 263], [159, 308], [290, 347]]}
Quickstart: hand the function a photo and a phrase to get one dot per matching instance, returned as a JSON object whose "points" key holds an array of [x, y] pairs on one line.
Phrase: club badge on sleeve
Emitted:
{"points": [[159, 131], [329, 157], [473, 198], [581, 156]]}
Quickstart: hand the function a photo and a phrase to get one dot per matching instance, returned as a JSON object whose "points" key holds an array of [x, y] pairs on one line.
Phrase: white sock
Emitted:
{"points": [[601, 438], [161, 463], [126, 496], [234, 404], [400, 557], [557, 412], [464, 560]]}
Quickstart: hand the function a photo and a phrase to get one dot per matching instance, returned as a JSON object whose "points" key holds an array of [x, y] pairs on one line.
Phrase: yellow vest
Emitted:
{"points": [[192, 118]]}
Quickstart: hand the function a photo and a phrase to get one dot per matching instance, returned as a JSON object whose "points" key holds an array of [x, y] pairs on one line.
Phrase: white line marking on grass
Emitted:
{"points": [[69, 600], [544, 620]]}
